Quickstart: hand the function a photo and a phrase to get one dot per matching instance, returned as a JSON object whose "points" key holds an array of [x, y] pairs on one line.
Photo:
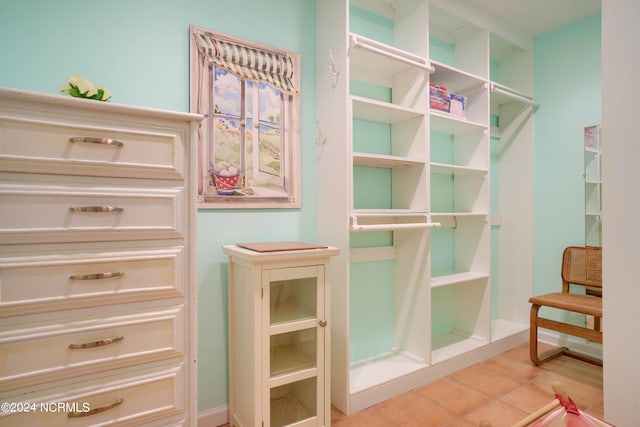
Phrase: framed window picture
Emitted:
{"points": [[249, 141]]}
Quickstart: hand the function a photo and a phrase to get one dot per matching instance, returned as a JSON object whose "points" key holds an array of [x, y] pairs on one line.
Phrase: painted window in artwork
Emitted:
{"points": [[250, 139]]}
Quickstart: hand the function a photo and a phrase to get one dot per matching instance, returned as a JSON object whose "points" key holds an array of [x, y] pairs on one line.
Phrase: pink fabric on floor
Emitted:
{"points": [[568, 415]]}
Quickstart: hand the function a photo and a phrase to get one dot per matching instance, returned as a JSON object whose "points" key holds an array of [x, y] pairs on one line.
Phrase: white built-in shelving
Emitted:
{"points": [[460, 189], [409, 191], [592, 185], [511, 108]]}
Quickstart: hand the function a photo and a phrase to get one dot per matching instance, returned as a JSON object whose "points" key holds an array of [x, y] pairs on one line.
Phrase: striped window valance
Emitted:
{"points": [[248, 62]]}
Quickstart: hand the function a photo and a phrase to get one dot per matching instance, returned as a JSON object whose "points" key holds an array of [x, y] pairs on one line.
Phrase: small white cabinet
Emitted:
{"points": [[278, 337]]}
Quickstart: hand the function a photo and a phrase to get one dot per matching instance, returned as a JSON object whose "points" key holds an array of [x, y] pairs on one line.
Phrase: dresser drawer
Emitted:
{"points": [[58, 147], [75, 278], [136, 399], [70, 213], [32, 354]]}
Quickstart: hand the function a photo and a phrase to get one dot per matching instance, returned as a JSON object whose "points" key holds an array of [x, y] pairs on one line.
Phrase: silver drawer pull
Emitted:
{"points": [[78, 414], [98, 343], [95, 209], [96, 276], [93, 140]]}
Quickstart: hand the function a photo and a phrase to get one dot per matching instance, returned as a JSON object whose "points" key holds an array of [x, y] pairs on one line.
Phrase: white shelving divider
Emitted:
{"points": [[593, 185], [513, 106], [460, 192], [407, 190], [397, 66], [402, 69]]}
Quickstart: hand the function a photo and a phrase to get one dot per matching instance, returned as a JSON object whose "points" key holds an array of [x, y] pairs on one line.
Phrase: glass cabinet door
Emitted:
{"points": [[293, 299], [295, 342], [293, 351], [293, 403]]}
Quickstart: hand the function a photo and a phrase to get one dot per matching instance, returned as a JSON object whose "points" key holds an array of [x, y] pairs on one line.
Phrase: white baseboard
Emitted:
{"points": [[389, 389], [220, 416], [576, 344], [214, 417]]}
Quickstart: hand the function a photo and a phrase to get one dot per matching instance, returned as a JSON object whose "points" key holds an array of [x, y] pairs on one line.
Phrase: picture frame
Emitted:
{"points": [[249, 140]]}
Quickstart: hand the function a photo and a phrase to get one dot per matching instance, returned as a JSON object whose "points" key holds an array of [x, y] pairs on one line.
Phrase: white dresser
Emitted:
{"points": [[97, 263]]}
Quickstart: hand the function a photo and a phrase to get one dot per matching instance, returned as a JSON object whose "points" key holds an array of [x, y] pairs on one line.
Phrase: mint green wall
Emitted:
{"points": [[567, 87], [140, 51]]}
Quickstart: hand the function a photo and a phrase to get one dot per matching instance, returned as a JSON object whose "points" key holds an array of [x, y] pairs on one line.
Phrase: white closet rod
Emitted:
{"points": [[513, 95], [391, 226], [358, 43]]}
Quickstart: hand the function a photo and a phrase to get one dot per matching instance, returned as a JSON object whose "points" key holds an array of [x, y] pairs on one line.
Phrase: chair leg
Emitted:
{"points": [[582, 357], [533, 340]]}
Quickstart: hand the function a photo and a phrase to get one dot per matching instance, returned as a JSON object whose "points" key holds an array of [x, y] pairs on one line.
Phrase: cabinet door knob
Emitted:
{"points": [[323, 323]]}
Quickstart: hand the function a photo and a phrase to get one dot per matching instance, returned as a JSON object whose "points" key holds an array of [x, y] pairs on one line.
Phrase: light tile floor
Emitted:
{"points": [[501, 390]]}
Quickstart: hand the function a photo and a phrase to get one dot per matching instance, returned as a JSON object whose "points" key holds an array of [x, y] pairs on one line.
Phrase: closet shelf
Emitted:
{"points": [[384, 8], [456, 80], [501, 94], [452, 344], [382, 112], [367, 51], [372, 372], [390, 61], [448, 123], [383, 161], [448, 169], [456, 277]]}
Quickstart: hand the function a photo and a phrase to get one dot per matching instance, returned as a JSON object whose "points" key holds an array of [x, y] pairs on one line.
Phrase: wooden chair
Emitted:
{"points": [[581, 265]]}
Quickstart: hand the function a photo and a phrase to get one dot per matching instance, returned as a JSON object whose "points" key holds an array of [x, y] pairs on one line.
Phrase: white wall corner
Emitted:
{"points": [[485, 20]]}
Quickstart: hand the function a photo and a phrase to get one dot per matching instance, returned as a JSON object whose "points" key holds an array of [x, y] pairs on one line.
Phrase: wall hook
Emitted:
{"points": [[334, 69], [321, 140]]}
